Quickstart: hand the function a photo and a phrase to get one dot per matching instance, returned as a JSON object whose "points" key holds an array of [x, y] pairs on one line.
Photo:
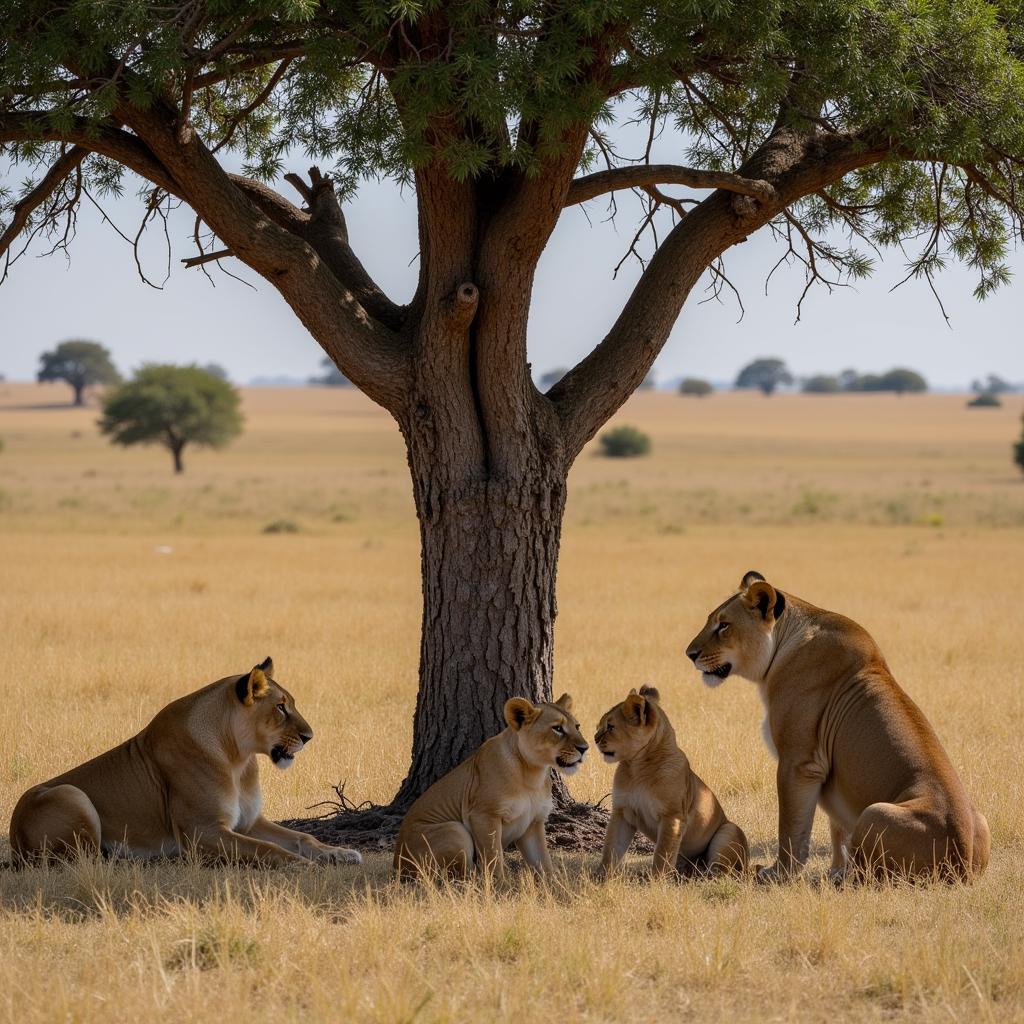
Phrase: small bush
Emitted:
{"points": [[281, 526], [695, 386], [625, 442], [986, 400]]}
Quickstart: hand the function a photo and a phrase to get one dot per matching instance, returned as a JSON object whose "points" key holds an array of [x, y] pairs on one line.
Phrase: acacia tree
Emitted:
{"points": [[173, 406], [820, 120], [80, 364]]}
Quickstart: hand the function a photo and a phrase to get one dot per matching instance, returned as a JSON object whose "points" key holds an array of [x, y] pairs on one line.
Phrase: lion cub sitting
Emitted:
{"points": [[656, 792], [497, 796], [189, 779]]}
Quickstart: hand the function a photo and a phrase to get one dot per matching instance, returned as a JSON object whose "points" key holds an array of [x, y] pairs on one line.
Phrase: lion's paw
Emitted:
{"points": [[338, 855]]}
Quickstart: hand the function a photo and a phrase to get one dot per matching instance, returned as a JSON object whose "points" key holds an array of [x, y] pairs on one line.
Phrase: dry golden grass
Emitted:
{"points": [[903, 513]]}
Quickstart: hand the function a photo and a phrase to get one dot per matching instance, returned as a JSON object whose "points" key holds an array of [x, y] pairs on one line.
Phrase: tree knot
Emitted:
{"points": [[462, 305]]}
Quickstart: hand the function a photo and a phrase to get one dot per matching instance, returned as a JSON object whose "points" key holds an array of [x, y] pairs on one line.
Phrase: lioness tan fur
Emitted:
{"points": [[847, 739], [656, 792], [499, 795], [189, 779]]}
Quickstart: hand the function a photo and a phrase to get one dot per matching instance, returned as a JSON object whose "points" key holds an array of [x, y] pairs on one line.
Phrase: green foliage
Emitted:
{"points": [[80, 364], [764, 374], [821, 384], [696, 386], [899, 380], [172, 406], [992, 385], [383, 87], [624, 442], [985, 400]]}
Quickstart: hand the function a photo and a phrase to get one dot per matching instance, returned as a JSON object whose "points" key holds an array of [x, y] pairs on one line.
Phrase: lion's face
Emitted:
{"points": [[548, 734], [628, 727], [739, 634], [269, 717]]}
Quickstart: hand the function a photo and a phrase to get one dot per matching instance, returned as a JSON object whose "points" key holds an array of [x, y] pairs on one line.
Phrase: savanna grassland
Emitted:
{"points": [[122, 587]]}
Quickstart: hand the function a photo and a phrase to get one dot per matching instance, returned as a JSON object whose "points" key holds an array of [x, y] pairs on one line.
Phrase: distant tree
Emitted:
{"points": [[332, 377], [868, 382], [848, 380], [650, 382], [765, 374], [902, 380], [80, 364], [173, 406], [821, 384], [216, 370], [696, 386], [985, 400], [552, 377], [1018, 449], [993, 385], [625, 442]]}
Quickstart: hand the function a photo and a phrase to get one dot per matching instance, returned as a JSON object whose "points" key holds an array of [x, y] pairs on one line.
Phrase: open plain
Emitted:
{"points": [[122, 587]]}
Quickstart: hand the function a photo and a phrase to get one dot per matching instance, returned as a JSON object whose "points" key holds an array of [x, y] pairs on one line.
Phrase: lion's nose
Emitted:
{"points": [[693, 653], [582, 747], [305, 737]]}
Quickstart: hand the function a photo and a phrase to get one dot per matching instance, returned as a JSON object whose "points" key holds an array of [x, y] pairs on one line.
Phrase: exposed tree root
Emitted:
{"points": [[366, 826]]}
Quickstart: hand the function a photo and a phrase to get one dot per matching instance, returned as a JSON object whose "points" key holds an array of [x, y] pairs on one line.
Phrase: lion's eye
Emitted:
{"points": [[722, 627], [558, 730], [283, 709], [609, 727]]}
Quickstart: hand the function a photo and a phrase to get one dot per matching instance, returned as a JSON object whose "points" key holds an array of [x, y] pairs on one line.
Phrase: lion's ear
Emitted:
{"points": [[519, 712], [564, 702], [649, 692], [765, 598], [267, 666], [751, 577], [252, 687], [634, 707]]}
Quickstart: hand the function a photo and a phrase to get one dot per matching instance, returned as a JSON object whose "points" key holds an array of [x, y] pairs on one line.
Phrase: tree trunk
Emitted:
{"points": [[489, 552], [79, 394], [176, 451]]}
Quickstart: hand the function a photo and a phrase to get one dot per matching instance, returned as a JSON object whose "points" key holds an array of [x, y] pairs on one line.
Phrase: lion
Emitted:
{"points": [[499, 795], [189, 779], [656, 792], [847, 738]]}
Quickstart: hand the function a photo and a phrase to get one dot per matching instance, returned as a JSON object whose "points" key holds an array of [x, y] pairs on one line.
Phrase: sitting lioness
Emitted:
{"points": [[846, 738], [656, 792], [499, 795], [189, 779]]}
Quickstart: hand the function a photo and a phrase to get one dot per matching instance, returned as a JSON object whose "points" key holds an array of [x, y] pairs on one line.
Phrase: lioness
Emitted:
{"points": [[846, 738], [190, 778], [656, 792], [499, 795]]}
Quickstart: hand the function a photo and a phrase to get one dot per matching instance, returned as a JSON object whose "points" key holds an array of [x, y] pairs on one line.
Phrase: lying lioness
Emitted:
{"points": [[189, 779], [499, 795], [656, 792], [846, 737]]}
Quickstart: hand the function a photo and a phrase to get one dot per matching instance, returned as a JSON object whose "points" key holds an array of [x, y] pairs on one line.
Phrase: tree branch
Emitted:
{"points": [[599, 183], [22, 211], [792, 166]]}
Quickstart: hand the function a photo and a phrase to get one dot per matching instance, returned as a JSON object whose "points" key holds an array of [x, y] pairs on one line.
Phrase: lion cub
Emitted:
{"points": [[656, 792], [497, 796]]}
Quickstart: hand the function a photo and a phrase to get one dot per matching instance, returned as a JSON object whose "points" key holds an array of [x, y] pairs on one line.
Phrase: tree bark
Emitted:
{"points": [[176, 450], [488, 560], [79, 390]]}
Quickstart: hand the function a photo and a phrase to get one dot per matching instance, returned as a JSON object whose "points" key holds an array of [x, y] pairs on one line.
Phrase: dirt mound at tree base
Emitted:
{"points": [[366, 826]]}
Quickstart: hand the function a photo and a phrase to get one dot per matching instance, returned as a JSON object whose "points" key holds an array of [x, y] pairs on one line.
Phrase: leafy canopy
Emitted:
{"points": [[78, 363], [765, 374], [489, 87], [172, 406]]}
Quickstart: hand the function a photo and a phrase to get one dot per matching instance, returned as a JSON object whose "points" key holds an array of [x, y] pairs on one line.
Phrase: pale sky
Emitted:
{"points": [[253, 333]]}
